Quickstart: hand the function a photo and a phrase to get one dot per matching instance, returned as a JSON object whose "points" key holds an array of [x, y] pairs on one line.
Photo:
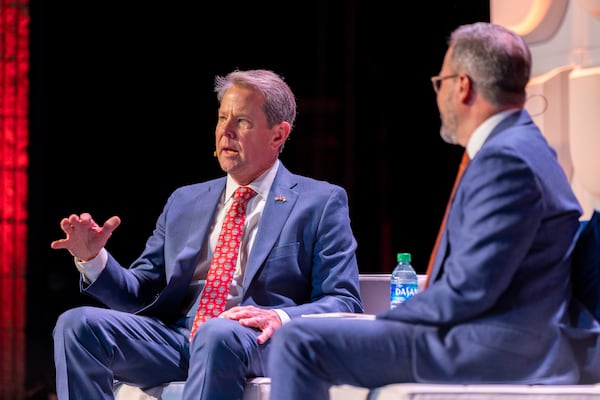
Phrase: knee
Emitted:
{"points": [[74, 320], [220, 333]]}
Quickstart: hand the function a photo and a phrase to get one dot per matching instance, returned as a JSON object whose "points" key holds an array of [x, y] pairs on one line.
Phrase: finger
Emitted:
{"points": [[65, 225], [58, 244], [239, 312], [265, 335], [87, 222], [240, 308], [111, 224], [229, 314], [86, 218], [74, 219]]}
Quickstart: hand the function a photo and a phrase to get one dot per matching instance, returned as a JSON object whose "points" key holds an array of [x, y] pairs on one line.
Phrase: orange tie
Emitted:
{"points": [[214, 296], [461, 169]]}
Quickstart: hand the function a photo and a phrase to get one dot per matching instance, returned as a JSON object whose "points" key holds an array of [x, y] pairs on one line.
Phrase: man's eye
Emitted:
{"points": [[244, 123]]}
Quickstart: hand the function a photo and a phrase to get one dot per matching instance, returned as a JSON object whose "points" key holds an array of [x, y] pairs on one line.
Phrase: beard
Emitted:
{"points": [[447, 135], [449, 124]]}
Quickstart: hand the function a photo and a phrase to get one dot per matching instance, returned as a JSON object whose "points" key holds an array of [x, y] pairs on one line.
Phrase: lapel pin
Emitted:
{"points": [[280, 198]]}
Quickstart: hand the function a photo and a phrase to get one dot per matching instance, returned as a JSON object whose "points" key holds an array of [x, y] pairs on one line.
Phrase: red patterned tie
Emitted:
{"points": [[214, 296], [461, 169]]}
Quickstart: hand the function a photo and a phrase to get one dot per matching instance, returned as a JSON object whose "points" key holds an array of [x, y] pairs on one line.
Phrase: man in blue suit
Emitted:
{"points": [[499, 291], [297, 257]]}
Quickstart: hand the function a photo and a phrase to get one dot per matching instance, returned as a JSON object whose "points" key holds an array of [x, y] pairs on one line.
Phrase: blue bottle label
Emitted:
{"points": [[401, 293]]}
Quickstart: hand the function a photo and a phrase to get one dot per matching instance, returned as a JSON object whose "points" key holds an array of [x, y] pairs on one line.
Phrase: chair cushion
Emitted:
{"points": [[423, 391], [256, 389]]}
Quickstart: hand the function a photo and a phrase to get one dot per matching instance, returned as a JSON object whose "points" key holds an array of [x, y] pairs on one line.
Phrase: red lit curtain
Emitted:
{"points": [[14, 85]]}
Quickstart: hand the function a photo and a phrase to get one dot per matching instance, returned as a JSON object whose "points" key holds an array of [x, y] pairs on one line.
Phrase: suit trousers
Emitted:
{"points": [[94, 346], [325, 351]]}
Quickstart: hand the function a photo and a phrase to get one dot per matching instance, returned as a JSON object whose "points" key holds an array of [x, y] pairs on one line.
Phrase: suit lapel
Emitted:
{"points": [[203, 205], [280, 203]]}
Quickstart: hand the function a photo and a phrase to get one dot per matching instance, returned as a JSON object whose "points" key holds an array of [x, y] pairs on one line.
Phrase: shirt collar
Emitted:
{"points": [[260, 185], [483, 131]]}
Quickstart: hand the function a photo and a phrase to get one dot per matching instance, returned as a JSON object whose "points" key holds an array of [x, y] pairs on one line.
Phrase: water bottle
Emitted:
{"points": [[404, 282]]}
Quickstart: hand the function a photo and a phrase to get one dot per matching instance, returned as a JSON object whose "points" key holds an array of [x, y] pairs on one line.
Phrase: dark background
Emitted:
{"points": [[122, 111]]}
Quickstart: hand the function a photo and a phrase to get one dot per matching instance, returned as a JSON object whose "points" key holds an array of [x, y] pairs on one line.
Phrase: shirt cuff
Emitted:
{"points": [[91, 269], [283, 316]]}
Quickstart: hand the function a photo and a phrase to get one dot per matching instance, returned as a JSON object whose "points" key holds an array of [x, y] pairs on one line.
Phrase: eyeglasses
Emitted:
{"points": [[436, 81]]}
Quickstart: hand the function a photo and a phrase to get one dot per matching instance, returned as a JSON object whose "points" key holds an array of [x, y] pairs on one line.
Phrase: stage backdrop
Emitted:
{"points": [[14, 66]]}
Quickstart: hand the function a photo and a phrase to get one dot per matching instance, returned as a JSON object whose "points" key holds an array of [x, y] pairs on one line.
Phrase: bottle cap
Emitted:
{"points": [[403, 257]]}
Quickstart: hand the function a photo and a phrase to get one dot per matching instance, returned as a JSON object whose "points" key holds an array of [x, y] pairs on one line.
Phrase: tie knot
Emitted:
{"points": [[243, 194]]}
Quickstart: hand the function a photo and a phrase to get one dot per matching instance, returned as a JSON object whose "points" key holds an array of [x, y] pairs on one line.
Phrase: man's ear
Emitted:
{"points": [[466, 89], [281, 132]]}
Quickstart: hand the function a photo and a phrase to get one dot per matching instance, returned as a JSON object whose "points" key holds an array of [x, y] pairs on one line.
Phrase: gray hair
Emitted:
{"points": [[280, 102], [496, 59]]}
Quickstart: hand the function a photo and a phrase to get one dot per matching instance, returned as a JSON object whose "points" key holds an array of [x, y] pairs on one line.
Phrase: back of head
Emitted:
{"points": [[280, 102], [497, 60]]}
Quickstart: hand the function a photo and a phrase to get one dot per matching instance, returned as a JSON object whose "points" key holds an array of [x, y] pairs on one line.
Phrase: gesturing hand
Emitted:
{"points": [[85, 238]]}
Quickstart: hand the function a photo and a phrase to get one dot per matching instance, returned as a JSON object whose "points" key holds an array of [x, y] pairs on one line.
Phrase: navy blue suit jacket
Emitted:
{"points": [[303, 259], [498, 301]]}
